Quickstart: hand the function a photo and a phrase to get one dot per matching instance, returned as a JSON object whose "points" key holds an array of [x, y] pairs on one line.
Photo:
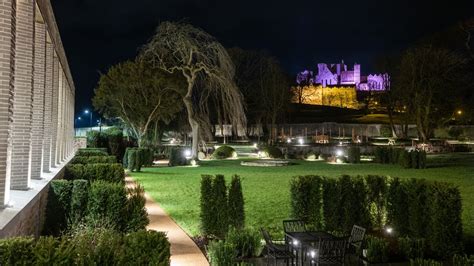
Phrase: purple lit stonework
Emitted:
{"points": [[339, 74]]}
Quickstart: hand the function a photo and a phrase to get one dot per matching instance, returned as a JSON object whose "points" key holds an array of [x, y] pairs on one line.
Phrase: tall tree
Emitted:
{"points": [[430, 79], [139, 95], [264, 85], [207, 69]]}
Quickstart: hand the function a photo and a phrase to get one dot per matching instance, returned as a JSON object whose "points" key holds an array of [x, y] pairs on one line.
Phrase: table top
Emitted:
{"points": [[310, 236]]}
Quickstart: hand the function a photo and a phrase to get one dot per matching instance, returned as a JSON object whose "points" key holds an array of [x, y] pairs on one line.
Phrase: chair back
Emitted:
{"points": [[357, 236], [267, 237], [290, 226], [332, 250]]}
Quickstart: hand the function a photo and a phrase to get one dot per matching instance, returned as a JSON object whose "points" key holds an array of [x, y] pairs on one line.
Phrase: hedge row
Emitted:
{"points": [[111, 140], [414, 208], [221, 209], [72, 203], [97, 171], [93, 159], [92, 152], [135, 158], [100, 247], [407, 159]]}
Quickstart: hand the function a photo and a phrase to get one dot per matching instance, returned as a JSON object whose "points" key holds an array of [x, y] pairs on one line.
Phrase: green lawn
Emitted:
{"points": [[266, 189]]}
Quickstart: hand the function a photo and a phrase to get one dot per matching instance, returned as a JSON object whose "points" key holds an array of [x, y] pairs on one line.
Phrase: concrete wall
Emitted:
{"points": [[36, 111]]}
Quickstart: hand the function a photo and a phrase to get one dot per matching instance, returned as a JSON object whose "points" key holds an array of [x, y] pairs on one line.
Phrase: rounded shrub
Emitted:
{"points": [[177, 157], [272, 152], [223, 152]]}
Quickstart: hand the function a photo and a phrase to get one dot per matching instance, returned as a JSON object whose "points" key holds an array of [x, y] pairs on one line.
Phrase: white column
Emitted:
{"points": [[60, 117], [23, 96], [7, 70], [54, 111], [48, 103], [38, 100]]}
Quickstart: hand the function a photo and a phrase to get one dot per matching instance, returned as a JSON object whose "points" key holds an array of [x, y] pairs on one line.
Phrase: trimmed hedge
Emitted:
{"points": [[58, 206], [97, 247], [99, 171], [306, 199], [93, 159], [220, 208], [73, 204], [407, 159], [236, 204], [92, 152], [414, 208], [223, 152]]}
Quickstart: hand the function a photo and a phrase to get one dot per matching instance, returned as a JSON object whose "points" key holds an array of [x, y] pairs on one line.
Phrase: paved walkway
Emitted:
{"points": [[183, 249]]}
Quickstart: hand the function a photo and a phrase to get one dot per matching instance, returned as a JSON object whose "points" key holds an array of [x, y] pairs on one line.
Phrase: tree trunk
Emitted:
{"points": [[193, 123]]}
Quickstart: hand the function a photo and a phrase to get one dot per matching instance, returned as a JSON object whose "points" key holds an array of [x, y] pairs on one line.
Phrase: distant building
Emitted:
{"points": [[339, 74], [336, 85]]}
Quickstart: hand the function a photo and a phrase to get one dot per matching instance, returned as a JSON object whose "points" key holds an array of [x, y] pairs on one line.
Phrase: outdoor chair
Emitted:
{"points": [[330, 251], [356, 238], [276, 251], [291, 226]]}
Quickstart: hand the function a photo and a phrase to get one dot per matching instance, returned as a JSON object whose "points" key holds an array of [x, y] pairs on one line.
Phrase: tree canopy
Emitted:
{"points": [[208, 70], [139, 95]]}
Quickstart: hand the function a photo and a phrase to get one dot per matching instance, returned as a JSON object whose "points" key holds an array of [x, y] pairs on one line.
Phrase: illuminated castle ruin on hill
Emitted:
{"points": [[336, 85]]}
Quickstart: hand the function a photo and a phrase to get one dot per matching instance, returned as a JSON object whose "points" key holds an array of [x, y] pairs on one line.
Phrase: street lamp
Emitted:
{"points": [[90, 113]]}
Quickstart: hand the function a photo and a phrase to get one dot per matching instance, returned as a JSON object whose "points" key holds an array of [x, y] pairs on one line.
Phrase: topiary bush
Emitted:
{"points": [[306, 199], [134, 162], [236, 204], [93, 159], [221, 211], [272, 152], [145, 248], [405, 159], [79, 195], [177, 157], [115, 143], [353, 154], [99, 171], [207, 205], [57, 207], [96, 139], [223, 152], [107, 201], [136, 216]]}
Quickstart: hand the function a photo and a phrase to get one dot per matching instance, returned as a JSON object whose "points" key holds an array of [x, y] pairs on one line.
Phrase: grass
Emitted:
{"points": [[266, 189]]}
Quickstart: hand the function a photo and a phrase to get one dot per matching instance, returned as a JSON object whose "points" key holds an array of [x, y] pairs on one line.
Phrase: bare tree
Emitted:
{"points": [[208, 70]]}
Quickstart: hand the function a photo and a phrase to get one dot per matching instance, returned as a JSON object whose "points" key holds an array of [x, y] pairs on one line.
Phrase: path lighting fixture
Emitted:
{"points": [[295, 243], [193, 163], [339, 153], [288, 140], [187, 153], [300, 141], [459, 112], [312, 254], [389, 230], [255, 145]]}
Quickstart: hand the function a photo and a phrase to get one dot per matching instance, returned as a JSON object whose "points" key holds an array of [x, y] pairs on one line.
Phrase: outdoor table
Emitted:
{"points": [[301, 240]]}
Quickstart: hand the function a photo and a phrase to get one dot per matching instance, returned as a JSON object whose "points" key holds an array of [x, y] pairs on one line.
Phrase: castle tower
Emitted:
{"points": [[356, 73]]}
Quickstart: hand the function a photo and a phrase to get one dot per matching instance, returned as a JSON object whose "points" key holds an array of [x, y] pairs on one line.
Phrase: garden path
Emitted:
{"points": [[183, 249]]}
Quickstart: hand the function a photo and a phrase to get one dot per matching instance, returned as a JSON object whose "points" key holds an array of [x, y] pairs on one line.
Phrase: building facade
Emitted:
{"points": [[340, 75], [36, 103]]}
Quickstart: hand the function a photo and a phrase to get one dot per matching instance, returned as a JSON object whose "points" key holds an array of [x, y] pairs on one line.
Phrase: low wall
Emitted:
{"points": [[25, 213]]}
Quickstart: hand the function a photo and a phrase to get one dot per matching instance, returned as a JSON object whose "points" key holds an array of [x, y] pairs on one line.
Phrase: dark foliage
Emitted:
{"points": [[236, 204]]}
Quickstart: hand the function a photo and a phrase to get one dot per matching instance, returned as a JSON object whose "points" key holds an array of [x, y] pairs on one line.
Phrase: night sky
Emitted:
{"points": [[99, 33]]}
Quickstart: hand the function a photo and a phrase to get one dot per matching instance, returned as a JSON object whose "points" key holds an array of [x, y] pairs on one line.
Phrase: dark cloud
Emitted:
{"points": [[100, 33]]}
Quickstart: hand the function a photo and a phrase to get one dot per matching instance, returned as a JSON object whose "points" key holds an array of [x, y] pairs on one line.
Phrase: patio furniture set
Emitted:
{"points": [[306, 247]]}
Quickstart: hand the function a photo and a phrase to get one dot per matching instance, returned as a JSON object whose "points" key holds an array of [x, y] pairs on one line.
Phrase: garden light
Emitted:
{"points": [[187, 153], [300, 141], [255, 145], [339, 153], [312, 253], [295, 242], [389, 230], [288, 140], [193, 163]]}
